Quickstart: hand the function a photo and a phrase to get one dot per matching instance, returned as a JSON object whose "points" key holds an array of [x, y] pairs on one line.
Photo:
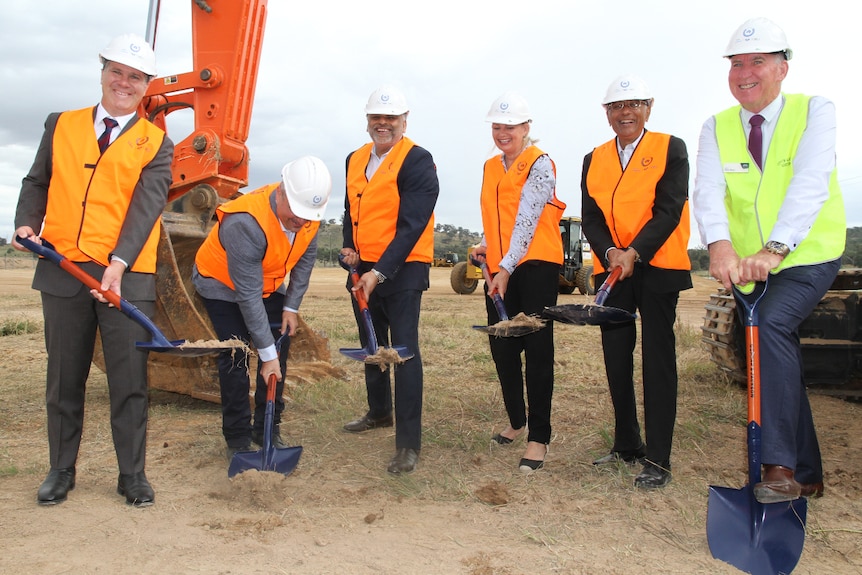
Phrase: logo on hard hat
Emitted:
{"points": [[134, 48], [504, 106], [316, 200], [748, 32], [384, 98], [625, 84]]}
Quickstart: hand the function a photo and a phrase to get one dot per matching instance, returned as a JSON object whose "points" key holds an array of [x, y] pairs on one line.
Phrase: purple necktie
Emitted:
{"points": [[755, 140], [105, 138]]}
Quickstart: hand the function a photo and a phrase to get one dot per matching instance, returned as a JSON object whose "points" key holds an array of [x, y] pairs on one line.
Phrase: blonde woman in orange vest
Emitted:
{"points": [[96, 191], [240, 271], [522, 249], [392, 189], [635, 216]]}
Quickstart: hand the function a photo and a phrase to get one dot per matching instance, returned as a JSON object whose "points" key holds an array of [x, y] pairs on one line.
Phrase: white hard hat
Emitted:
{"points": [[308, 185], [510, 109], [628, 87], [387, 101], [133, 51], [758, 36]]}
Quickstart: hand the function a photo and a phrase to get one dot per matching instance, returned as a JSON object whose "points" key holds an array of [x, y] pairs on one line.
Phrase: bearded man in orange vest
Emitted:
{"points": [[96, 191], [635, 216], [392, 189]]}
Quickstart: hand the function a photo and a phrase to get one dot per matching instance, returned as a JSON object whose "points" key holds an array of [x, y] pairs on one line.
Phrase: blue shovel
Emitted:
{"points": [[758, 538]]}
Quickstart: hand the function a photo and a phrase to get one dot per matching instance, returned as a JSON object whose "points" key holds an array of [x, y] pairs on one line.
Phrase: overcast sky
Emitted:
{"points": [[321, 60]]}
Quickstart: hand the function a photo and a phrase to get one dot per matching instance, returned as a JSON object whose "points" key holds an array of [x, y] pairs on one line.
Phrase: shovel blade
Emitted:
{"points": [[510, 331], [580, 314], [278, 459], [758, 538], [179, 347], [363, 355]]}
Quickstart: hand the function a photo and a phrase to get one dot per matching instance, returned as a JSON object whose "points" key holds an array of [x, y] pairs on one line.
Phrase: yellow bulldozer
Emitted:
{"points": [[210, 167], [575, 273]]}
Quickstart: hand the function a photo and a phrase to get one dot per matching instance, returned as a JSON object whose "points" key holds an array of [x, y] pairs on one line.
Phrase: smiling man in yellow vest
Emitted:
{"points": [[768, 205], [635, 215], [96, 191], [239, 272], [392, 189]]}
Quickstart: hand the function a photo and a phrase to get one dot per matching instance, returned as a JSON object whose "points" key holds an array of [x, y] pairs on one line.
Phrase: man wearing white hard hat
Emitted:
{"points": [[96, 191], [392, 189], [240, 271], [769, 208], [634, 201]]}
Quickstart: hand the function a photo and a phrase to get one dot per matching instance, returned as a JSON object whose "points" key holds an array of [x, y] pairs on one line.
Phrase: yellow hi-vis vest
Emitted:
{"points": [[626, 198], [89, 194], [501, 195], [374, 205], [280, 256], [753, 199]]}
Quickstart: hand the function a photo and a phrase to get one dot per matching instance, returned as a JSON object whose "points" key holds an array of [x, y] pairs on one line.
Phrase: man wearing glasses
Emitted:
{"points": [[635, 215]]}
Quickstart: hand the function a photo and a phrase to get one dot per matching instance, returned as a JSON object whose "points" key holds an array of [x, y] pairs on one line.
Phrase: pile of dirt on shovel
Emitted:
{"points": [[516, 325]]}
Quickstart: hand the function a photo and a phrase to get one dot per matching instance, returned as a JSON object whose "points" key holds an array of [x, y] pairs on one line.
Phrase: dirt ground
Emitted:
{"points": [[466, 510]]}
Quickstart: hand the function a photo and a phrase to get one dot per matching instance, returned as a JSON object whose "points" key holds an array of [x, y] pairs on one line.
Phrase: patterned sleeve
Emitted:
{"points": [[537, 192]]}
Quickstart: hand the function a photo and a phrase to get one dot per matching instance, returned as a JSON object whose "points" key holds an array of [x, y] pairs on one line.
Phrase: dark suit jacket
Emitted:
{"points": [[418, 188], [145, 208], [671, 194]]}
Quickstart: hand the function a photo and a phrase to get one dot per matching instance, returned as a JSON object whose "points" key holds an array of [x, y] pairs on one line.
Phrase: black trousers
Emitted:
{"points": [[395, 318], [532, 287], [658, 350], [70, 336], [233, 370]]}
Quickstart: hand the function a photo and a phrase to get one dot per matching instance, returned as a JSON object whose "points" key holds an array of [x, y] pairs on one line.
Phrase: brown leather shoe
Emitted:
{"points": [[779, 485]]}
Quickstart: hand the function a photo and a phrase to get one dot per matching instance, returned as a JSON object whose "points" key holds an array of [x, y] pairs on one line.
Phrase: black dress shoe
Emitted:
{"points": [[367, 422], [501, 439], [636, 456], [653, 476], [136, 488], [404, 461], [233, 449], [56, 486], [277, 441]]}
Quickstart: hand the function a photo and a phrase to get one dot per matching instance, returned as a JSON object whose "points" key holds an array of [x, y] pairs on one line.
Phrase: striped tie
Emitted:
{"points": [[105, 138]]}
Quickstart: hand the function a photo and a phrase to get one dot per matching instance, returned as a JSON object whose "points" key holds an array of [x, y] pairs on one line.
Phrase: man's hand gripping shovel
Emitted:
{"points": [[372, 352]]}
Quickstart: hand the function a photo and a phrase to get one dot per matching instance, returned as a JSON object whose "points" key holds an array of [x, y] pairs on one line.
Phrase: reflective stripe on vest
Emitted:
{"points": [[626, 198], [501, 195], [89, 194], [280, 256], [374, 205], [753, 200]]}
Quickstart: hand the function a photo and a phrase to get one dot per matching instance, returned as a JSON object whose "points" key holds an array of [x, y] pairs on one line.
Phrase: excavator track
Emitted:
{"points": [[830, 337]]}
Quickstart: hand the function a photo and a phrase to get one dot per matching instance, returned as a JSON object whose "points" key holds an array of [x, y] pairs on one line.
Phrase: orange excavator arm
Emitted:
{"points": [[227, 37]]}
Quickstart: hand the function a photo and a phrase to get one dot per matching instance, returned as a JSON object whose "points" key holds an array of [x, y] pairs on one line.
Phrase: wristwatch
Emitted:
{"points": [[380, 277], [777, 248]]}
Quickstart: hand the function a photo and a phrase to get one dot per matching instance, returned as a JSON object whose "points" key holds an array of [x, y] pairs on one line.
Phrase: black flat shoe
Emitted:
{"points": [[501, 440], [136, 488], [653, 476], [56, 486], [530, 465]]}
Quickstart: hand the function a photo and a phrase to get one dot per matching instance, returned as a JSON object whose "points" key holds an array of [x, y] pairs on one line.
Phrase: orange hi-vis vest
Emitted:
{"points": [[501, 195], [89, 194], [280, 256], [374, 205], [626, 198]]}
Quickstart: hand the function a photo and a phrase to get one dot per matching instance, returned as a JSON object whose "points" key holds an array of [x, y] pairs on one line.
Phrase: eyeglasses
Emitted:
{"points": [[633, 104]]}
